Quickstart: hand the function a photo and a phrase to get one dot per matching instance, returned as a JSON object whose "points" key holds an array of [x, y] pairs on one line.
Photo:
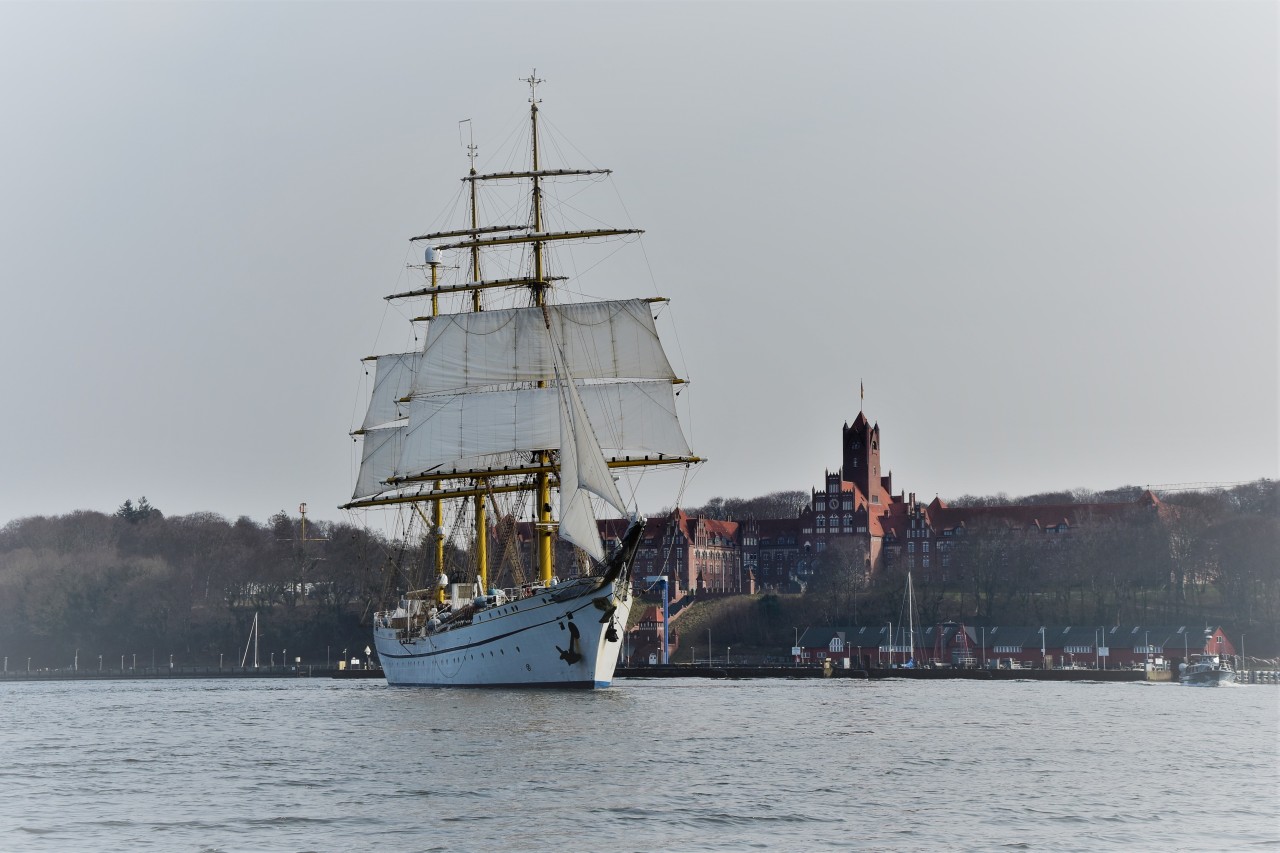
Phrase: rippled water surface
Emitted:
{"points": [[315, 764]]}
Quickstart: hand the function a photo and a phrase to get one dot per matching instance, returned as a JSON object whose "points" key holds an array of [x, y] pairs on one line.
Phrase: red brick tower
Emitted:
{"points": [[861, 442]]}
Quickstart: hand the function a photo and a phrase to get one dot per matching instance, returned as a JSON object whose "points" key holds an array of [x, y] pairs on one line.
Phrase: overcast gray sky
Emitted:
{"points": [[1043, 234]]}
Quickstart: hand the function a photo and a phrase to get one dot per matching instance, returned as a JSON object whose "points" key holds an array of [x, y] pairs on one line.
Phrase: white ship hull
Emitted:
{"points": [[530, 642]]}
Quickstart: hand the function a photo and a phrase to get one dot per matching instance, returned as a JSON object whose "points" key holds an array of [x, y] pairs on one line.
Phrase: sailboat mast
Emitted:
{"points": [[911, 621], [542, 480]]}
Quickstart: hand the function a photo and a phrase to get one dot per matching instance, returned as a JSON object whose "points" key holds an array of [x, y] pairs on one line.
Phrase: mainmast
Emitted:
{"points": [[543, 480]]}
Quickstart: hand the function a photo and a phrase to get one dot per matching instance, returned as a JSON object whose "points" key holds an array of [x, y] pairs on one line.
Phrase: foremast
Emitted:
{"points": [[539, 474]]}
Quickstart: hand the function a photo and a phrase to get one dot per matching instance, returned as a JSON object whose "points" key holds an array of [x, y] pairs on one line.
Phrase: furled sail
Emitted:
{"points": [[392, 381], [601, 340]]}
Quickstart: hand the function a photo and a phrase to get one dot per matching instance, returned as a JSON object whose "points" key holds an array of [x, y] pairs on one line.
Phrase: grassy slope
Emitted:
{"points": [[755, 626]]}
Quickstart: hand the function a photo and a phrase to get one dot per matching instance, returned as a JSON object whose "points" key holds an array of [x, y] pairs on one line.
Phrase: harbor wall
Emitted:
{"points": [[875, 674]]}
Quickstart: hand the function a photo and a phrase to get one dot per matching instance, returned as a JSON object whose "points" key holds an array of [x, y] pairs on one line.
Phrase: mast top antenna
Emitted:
{"points": [[533, 80], [471, 146]]}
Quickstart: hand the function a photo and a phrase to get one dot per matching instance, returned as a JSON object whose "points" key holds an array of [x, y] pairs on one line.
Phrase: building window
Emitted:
{"points": [[875, 499], [925, 546], [924, 561], [911, 547]]}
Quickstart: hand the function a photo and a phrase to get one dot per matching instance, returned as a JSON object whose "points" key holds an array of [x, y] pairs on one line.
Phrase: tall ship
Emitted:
{"points": [[523, 404]]}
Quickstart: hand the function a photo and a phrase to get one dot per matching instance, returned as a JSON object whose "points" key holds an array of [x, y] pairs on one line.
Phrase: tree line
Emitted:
{"points": [[139, 583]]}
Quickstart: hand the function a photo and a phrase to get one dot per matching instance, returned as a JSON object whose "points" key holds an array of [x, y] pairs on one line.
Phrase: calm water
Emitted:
{"points": [[646, 766]]}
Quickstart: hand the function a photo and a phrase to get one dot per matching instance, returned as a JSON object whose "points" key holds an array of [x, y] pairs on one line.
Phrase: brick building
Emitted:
{"points": [[856, 504]]}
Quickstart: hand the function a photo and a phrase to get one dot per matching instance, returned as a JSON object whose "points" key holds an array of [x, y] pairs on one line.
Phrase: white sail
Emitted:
{"points": [[392, 381], [630, 419], [601, 340], [582, 469], [379, 455]]}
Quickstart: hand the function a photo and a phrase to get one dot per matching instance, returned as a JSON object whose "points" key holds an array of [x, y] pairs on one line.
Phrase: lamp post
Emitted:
{"points": [[99, 663], [1244, 664], [984, 646], [1146, 643], [708, 648], [1043, 656], [727, 650], [75, 664], [795, 647]]}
